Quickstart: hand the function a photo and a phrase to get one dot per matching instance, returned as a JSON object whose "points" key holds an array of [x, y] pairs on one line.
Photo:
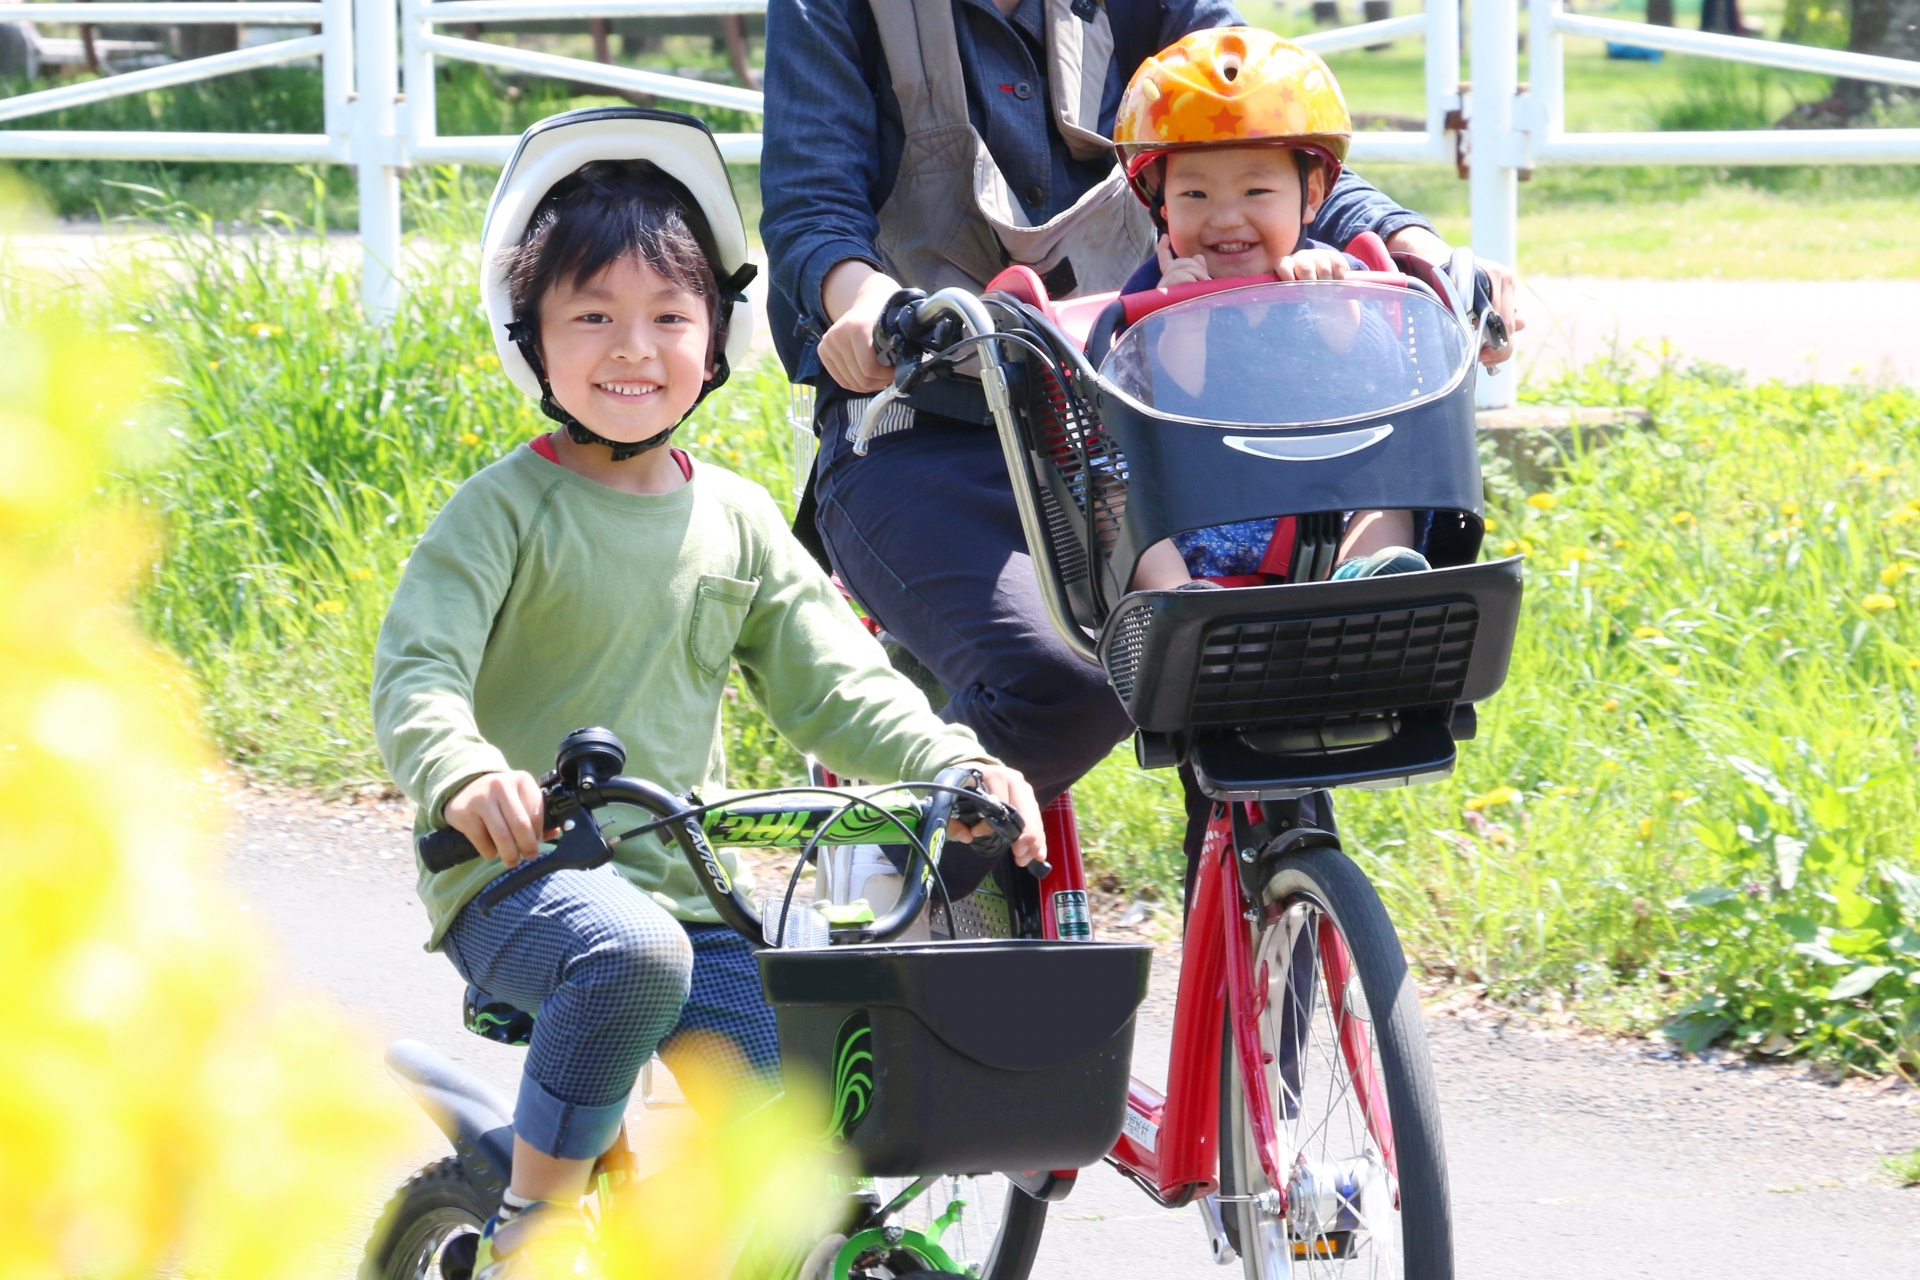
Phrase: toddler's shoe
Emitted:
{"points": [[1386, 560]]}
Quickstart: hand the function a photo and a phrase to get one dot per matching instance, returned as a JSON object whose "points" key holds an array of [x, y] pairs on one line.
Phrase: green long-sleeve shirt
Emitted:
{"points": [[540, 601]]}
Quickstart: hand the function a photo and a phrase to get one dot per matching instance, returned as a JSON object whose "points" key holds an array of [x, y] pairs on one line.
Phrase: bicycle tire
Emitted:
{"points": [[1410, 1238], [429, 1228]]}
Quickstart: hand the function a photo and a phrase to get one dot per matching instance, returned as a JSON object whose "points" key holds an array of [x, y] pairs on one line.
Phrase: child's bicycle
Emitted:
{"points": [[1300, 1113]]}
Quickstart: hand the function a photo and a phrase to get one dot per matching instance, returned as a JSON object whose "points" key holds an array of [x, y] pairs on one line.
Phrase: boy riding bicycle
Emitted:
{"points": [[599, 576], [1232, 138]]}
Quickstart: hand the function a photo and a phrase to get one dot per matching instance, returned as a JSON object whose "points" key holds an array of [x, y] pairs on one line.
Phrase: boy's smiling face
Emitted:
{"points": [[627, 351], [1238, 208]]}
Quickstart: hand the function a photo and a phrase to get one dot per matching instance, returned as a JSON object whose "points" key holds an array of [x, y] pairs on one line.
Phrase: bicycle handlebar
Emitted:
{"points": [[582, 846]]}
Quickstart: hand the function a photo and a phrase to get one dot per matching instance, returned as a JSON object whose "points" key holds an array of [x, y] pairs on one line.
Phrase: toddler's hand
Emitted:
{"points": [[1178, 270], [1313, 264], [499, 812]]}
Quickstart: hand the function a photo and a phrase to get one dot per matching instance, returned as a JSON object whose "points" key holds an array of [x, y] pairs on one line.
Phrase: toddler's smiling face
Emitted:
{"points": [[1238, 209]]}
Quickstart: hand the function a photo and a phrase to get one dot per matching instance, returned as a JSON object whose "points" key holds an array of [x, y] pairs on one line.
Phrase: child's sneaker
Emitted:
{"points": [[544, 1241], [1387, 560]]}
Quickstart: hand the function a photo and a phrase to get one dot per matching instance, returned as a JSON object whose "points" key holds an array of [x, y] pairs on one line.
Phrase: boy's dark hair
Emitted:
{"points": [[607, 210]]}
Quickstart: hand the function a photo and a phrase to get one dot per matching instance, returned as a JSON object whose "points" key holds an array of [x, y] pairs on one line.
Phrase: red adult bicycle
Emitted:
{"points": [[1300, 1113]]}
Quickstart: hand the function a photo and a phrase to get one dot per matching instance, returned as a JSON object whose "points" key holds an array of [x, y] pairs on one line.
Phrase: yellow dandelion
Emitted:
{"points": [[1648, 633], [1683, 518], [214, 365], [486, 361], [1670, 668], [361, 575], [1581, 555], [1611, 704], [1677, 795], [469, 439], [1646, 827], [1912, 663], [1497, 796], [1878, 603], [1872, 470], [264, 331], [1905, 515], [1789, 508], [1621, 544], [1488, 524], [1543, 501], [1894, 572], [329, 606]]}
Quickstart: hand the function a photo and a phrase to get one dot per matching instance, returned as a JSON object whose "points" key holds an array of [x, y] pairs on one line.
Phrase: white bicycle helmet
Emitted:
{"points": [[684, 149]]}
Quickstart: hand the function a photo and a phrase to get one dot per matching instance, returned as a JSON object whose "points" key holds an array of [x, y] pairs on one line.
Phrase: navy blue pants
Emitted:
{"points": [[611, 977], [925, 534]]}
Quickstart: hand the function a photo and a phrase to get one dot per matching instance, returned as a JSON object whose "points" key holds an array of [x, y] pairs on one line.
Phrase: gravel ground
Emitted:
{"points": [[1571, 1155]]}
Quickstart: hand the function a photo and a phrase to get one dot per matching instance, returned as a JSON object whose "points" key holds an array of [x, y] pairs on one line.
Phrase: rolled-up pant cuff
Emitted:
{"points": [[564, 1130]]}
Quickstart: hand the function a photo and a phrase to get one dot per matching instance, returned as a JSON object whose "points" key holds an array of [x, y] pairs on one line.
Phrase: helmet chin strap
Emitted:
{"points": [[733, 289]]}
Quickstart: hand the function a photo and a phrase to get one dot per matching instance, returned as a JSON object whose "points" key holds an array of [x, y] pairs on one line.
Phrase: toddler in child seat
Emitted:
{"points": [[1233, 137], [598, 577]]}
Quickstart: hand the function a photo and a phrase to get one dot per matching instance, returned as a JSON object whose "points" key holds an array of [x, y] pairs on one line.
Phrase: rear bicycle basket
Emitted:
{"points": [[963, 1057]]}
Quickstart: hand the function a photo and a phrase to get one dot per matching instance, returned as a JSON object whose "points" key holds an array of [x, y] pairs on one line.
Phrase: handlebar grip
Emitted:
{"points": [[1039, 868], [445, 849]]}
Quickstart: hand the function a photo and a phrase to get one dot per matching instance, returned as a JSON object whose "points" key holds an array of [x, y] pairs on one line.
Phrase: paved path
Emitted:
{"points": [[1795, 330], [1571, 1159]]}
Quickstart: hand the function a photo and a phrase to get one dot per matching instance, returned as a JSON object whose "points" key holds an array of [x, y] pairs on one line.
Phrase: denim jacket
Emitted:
{"points": [[833, 137]]}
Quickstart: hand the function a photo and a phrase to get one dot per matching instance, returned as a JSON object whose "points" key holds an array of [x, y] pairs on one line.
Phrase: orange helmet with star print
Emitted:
{"points": [[1230, 87]]}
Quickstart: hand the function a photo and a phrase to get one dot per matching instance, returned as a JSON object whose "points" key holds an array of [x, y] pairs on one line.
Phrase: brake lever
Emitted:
{"points": [[581, 847], [1006, 826]]}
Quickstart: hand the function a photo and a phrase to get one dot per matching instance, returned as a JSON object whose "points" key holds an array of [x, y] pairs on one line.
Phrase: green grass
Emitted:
{"points": [[1692, 804], [1904, 1169]]}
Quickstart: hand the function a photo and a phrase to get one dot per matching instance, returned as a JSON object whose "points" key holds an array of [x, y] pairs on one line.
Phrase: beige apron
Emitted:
{"points": [[952, 219]]}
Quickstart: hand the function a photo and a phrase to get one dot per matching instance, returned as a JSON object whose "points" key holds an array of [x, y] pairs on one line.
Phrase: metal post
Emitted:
{"points": [[336, 74], [1443, 73], [376, 153], [420, 126], [1494, 189], [1546, 70]]}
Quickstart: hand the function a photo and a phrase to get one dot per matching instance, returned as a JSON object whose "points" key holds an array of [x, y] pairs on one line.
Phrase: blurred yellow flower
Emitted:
{"points": [[1581, 555], [1543, 501], [1563, 791], [361, 575], [1648, 633], [1683, 518], [1497, 796], [1903, 515], [1670, 668], [1872, 470], [487, 360], [1677, 795], [1646, 827], [1912, 663], [1488, 524], [164, 1109], [1611, 704], [214, 365], [1894, 572], [1789, 508], [469, 439], [266, 331], [1621, 544], [329, 606], [1877, 603]]}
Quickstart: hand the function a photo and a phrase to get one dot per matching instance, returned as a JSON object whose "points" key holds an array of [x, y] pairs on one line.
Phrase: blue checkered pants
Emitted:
{"points": [[612, 977]]}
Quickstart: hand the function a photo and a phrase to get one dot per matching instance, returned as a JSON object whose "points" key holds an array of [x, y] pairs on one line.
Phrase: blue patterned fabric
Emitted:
{"points": [[1225, 550], [611, 977]]}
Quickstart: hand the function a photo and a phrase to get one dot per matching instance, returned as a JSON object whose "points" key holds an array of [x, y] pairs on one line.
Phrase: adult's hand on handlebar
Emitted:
{"points": [[499, 813], [1010, 788], [1505, 283], [854, 295], [1506, 300]]}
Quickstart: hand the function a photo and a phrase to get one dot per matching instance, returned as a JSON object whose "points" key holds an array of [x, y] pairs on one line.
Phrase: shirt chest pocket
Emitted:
{"points": [[720, 607]]}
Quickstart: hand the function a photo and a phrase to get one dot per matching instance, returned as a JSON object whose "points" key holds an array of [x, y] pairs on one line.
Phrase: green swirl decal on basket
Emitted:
{"points": [[852, 1075]]}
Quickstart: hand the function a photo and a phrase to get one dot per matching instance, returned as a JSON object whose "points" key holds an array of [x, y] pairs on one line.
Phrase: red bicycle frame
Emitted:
{"points": [[1169, 1143]]}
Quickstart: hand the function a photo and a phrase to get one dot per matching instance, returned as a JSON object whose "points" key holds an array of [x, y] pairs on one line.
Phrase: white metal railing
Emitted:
{"points": [[369, 48]]}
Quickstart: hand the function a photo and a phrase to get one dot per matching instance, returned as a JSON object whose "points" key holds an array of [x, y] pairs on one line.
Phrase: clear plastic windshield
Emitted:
{"points": [[1290, 354]]}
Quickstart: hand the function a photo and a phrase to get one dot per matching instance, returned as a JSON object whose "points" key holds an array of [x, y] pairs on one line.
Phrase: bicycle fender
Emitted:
{"points": [[476, 1118]]}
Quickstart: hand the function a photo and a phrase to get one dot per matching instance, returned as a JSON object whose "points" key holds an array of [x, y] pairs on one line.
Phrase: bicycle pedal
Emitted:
{"points": [[1338, 1244]]}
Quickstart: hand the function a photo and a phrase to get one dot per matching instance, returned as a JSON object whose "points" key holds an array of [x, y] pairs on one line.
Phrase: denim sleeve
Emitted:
{"points": [[820, 153], [1356, 205]]}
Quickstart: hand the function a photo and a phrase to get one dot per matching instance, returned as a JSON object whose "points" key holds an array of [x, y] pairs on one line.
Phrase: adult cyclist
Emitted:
{"points": [[928, 143]]}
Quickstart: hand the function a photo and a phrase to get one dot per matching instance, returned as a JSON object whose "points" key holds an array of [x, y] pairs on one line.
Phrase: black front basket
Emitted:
{"points": [[963, 1057]]}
